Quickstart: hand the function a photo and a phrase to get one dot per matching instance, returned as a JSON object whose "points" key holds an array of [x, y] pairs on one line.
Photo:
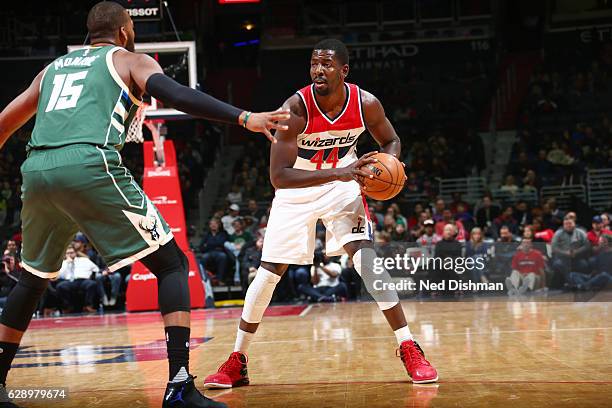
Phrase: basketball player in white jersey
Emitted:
{"points": [[316, 173]]}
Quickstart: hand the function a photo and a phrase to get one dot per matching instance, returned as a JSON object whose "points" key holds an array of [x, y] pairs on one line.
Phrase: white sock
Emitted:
{"points": [[402, 334], [243, 340]]}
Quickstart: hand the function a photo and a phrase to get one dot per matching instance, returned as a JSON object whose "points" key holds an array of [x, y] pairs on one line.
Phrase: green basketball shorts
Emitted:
{"points": [[85, 188]]}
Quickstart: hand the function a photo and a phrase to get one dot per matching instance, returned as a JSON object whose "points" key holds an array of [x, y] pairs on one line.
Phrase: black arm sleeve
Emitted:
{"points": [[190, 101]]}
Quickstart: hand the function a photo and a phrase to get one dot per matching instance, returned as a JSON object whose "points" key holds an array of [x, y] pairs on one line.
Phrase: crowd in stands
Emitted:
{"points": [[425, 161], [565, 126], [11, 157], [84, 283], [559, 156], [11, 270], [527, 248], [434, 112]]}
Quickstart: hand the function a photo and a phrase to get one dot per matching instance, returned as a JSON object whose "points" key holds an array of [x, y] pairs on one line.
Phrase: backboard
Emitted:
{"points": [[178, 60]]}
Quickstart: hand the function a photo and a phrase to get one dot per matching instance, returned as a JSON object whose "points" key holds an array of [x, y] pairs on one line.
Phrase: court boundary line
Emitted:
{"points": [[126, 318], [594, 382], [417, 335], [306, 311], [200, 310], [407, 382]]}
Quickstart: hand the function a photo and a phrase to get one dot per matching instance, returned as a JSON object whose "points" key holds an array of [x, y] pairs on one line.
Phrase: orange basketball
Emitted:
{"points": [[389, 177]]}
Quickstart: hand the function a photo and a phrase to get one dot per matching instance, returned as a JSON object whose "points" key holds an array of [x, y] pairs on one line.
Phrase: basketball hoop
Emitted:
{"points": [[154, 126], [134, 133]]}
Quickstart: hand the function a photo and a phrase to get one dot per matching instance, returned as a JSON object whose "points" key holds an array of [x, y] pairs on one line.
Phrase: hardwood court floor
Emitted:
{"points": [[488, 353]]}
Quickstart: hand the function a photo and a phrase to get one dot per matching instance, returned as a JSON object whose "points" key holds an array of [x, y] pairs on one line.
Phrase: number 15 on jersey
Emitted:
{"points": [[66, 92]]}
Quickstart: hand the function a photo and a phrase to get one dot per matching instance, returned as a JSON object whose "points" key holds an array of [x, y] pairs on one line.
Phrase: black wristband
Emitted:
{"points": [[190, 101]]}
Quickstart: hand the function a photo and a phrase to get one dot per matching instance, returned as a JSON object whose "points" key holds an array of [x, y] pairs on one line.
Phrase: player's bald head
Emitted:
{"points": [[105, 18]]}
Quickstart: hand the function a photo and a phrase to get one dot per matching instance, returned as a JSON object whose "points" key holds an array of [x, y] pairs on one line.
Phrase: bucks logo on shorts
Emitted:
{"points": [[149, 225]]}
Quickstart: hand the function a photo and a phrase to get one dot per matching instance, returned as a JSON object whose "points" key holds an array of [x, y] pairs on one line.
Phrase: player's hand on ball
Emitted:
{"points": [[354, 171], [388, 178], [265, 121]]}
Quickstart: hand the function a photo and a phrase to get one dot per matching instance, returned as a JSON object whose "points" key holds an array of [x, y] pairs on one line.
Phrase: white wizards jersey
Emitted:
{"points": [[326, 142]]}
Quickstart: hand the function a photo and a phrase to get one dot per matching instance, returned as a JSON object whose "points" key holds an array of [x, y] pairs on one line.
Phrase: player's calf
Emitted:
{"points": [[171, 268], [417, 366], [16, 316]]}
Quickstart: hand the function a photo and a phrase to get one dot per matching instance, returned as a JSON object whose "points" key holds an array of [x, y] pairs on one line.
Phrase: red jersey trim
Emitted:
{"points": [[303, 98], [347, 103], [360, 102], [351, 114]]}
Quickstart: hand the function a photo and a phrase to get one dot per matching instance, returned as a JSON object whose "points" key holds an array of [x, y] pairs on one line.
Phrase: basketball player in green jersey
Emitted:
{"points": [[74, 179]]}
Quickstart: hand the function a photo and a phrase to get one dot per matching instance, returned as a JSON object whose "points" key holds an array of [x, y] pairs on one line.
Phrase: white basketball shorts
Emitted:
{"points": [[290, 234]]}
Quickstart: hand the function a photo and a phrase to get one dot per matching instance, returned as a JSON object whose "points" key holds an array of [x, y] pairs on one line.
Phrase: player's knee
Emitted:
{"points": [[353, 247], [167, 260], [363, 260], [32, 283], [171, 267], [184, 263], [275, 268], [387, 305], [22, 301], [259, 294]]}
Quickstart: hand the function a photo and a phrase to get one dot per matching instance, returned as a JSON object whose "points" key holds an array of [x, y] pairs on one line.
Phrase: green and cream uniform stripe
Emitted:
{"points": [[81, 93]]}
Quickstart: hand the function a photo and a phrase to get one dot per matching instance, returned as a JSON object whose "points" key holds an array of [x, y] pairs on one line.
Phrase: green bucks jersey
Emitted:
{"points": [[83, 100]]}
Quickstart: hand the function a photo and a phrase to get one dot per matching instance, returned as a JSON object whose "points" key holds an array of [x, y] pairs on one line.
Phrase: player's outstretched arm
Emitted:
{"points": [[148, 75], [20, 110], [283, 155], [379, 126]]}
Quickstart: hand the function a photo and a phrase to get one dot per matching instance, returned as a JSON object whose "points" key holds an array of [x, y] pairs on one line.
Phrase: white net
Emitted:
{"points": [[134, 132]]}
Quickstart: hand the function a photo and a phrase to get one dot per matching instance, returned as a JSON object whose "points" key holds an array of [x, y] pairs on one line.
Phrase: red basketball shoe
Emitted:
{"points": [[418, 368], [232, 373]]}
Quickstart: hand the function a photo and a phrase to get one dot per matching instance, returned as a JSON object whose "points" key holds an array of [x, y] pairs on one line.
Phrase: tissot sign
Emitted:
{"points": [[143, 10]]}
